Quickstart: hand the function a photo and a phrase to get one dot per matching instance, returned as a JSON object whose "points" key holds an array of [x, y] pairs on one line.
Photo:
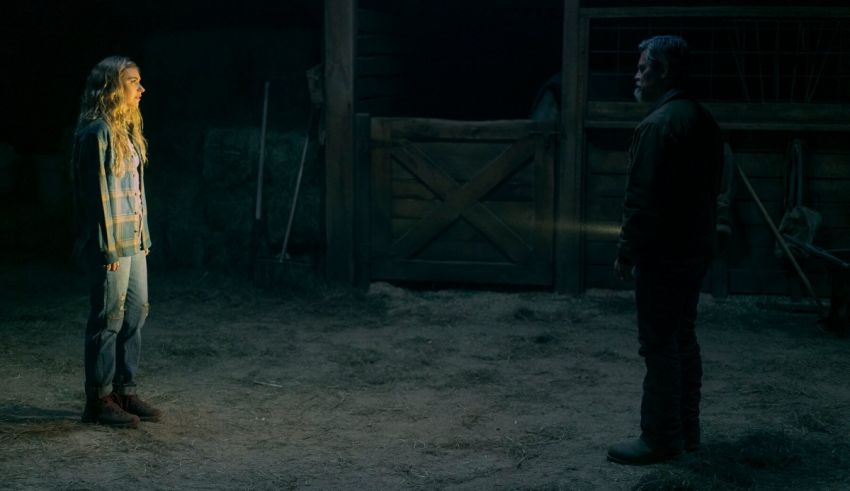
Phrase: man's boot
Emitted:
{"points": [[106, 412], [638, 452], [133, 405]]}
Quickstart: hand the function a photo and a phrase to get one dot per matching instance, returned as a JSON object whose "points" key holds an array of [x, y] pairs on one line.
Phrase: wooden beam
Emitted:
{"points": [[340, 34], [734, 116], [443, 129], [736, 11], [568, 237], [464, 272]]}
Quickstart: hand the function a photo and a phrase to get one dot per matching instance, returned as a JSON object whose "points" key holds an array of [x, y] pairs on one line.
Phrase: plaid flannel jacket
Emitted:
{"points": [[106, 214]]}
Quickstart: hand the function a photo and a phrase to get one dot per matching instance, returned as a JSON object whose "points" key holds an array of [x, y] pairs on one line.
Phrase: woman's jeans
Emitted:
{"points": [[119, 307], [667, 298]]}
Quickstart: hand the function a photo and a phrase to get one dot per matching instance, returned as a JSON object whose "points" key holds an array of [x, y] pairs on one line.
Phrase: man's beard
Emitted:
{"points": [[638, 94]]}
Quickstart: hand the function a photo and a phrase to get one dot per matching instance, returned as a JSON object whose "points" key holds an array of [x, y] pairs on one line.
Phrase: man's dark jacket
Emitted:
{"points": [[675, 166]]}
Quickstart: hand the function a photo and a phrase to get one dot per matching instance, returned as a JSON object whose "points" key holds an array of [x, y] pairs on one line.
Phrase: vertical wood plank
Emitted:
{"points": [[362, 196], [381, 193], [568, 256], [544, 195], [518, 231], [582, 82], [340, 32]]}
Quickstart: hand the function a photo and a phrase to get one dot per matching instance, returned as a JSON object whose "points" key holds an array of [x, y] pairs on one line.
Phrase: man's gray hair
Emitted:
{"points": [[670, 52]]}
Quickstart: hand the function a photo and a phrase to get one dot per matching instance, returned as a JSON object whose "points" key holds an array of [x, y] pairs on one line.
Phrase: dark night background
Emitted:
{"points": [[204, 65], [318, 385]]}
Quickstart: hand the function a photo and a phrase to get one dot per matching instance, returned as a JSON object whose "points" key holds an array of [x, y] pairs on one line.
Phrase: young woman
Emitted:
{"points": [[112, 241]]}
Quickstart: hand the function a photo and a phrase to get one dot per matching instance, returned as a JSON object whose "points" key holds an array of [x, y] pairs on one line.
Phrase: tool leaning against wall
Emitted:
{"points": [[267, 267], [798, 221]]}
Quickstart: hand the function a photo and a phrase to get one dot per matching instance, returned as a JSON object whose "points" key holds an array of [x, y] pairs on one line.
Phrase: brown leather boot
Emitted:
{"points": [[133, 405], [106, 412]]}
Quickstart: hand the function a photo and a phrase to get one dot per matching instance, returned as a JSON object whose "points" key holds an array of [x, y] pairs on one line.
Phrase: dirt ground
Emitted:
{"points": [[308, 386]]}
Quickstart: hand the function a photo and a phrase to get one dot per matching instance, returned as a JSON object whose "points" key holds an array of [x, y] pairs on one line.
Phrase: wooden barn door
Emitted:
{"points": [[463, 202]]}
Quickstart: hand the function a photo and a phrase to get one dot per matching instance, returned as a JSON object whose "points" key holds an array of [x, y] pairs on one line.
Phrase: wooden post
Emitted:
{"points": [[569, 268], [339, 52]]}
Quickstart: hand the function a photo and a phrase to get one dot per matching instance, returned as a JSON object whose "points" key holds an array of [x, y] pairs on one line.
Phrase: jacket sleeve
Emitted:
{"points": [[726, 192], [640, 206], [146, 244], [91, 169]]}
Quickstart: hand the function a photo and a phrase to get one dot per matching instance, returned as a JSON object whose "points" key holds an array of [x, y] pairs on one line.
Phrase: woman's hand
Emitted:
{"points": [[111, 267]]}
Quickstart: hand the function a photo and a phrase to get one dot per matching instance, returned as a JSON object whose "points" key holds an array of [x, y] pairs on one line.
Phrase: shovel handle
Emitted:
{"points": [[782, 243]]}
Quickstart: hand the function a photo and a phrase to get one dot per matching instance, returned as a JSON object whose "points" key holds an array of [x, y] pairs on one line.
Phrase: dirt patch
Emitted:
{"points": [[318, 387]]}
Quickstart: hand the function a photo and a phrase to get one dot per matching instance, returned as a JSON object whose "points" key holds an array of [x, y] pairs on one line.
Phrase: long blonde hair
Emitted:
{"points": [[103, 98]]}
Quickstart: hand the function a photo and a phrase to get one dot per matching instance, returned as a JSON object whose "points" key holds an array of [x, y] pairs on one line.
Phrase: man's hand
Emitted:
{"points": [[623, 269], [111, 267]]}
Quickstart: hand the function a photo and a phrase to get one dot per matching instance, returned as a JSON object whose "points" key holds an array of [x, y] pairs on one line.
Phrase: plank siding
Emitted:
{"points": [[362, 183], [750, 259], [378, 65], [381, 60], [515, 213], [462, 251], [380, 198], [476, 195], [471, 272], [377, 87], [371, 45], [590, 173], [734, 116]]}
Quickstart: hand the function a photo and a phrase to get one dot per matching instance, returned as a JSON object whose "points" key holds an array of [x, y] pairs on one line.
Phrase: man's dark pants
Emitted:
{"points": [[667, 298]]}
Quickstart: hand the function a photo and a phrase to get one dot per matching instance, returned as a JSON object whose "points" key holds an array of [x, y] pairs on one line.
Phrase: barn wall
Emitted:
{"points": [[605, 180], [471, 60], [769, 78], [462, 202], [762, 105], [763, 156], [382, 55], [420, 58], [204, 66], [753, 266]]}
